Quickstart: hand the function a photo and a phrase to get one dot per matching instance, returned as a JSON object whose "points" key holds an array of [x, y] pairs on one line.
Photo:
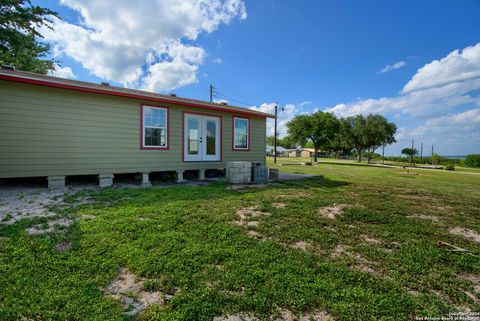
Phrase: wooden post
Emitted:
{"points": [[421, 152], [275, 136], [411, 155]]}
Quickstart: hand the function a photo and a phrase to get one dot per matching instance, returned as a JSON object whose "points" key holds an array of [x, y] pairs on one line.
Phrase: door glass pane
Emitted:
{"points": [[193, 136], [211, 137]]}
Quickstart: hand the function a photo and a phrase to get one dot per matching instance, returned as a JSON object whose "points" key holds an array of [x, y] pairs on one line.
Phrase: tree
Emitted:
{"points": [[19, 44], [353, 133], [285, 142], [410, 152], [270, 140], [378, 132], [288, 142], [319, 128], [472, 160]]}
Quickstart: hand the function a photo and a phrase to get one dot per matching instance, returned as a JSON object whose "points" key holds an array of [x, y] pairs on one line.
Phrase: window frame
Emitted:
{"points": [[240, 149], [142, 127]]}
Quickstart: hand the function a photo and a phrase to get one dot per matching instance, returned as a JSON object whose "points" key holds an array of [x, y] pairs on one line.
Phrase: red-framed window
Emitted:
{"points": [[240, 133], [154, 124]]}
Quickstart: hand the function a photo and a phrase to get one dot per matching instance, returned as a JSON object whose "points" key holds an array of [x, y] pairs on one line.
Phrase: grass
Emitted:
{"points": [[373, 262]]}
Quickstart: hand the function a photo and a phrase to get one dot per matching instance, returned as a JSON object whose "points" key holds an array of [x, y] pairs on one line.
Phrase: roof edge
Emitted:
{"points": [[46, 83]]}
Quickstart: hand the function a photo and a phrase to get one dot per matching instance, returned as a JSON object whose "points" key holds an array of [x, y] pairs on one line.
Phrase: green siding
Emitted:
{"points": [[47, 131]]}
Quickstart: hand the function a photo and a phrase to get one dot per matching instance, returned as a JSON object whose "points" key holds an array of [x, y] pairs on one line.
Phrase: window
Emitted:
{"points": [[241, 133], [155, 127]]}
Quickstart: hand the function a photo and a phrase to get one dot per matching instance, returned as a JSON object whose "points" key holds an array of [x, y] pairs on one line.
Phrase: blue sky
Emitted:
{"points": [[347, 57]]}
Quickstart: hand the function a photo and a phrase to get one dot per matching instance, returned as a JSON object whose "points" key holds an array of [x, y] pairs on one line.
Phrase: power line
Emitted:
{"points": [[240, 100]]}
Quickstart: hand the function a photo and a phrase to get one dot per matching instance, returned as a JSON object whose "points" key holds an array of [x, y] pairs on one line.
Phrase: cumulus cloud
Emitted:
{"points": [[443, 96], [459, 65], [62, 72], [141, 42], [391, 67]]}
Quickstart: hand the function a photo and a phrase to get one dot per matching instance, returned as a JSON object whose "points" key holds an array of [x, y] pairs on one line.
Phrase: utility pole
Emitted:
{"points": [[211, 93], [411, 155], [421, 152], [432, 157], [275, 135]]}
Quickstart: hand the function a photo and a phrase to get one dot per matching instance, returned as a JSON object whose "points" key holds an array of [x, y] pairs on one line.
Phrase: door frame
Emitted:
{"points": [[220, 121]]}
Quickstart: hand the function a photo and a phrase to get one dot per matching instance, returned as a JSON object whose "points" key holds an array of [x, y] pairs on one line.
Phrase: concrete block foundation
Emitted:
{"points": [[239, 172], [259, 174], [145, 180], [105, 180], [201, 174], [180, 178], [273, 173], [56, 182]]}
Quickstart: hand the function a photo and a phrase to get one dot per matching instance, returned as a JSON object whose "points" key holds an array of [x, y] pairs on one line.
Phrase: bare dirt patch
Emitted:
{"points": [[331, 229], [283, 315], [417, 197], [128, 289], [249, 216], [413, 292], [49, 227], [474, 279], [256, 235], [286, 315], [64, 246], [279, 205], [470, 234], [432, 218], [360, 263], [301, 245], [370, 240], [332, 211], [87, 217], [17, 203], [236, 317]]}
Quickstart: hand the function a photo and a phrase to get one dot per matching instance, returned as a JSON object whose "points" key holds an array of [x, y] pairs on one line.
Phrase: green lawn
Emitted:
{"points": [[379, 258]]}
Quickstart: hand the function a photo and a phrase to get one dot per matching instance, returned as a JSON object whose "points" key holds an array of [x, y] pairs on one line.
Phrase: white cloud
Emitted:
{"points": [[218, 61], [456, 66], [394, 66], [305, 103], [443, 96], [62, 72], [140, 42]]}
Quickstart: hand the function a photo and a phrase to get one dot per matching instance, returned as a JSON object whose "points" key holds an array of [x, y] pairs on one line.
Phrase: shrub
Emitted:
{"points": [[450, 167], [472, 160]]}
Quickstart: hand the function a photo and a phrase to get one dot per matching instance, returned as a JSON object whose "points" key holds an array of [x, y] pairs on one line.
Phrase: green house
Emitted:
{"points": [[53, 127]]}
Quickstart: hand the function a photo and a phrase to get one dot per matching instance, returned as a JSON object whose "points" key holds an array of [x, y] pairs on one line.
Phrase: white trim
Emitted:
{"points": [[145, 107], [202, 145], [248, 133]]}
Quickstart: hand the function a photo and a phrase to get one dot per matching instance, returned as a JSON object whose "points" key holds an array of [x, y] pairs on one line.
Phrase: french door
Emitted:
{"points": [[201, 138]]}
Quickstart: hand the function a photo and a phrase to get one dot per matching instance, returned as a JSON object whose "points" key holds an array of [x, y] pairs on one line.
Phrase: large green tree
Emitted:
{"points": [[319, 128], [378, 132], [354, 132], [19, 39]]}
